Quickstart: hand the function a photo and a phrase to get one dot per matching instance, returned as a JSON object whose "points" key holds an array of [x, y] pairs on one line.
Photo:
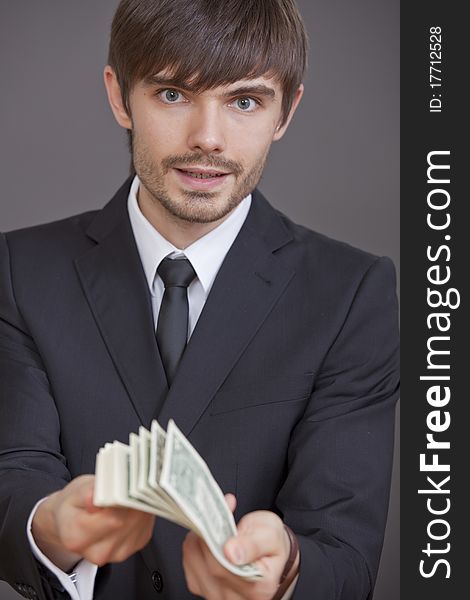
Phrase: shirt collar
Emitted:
{"points": [[206, 254]]}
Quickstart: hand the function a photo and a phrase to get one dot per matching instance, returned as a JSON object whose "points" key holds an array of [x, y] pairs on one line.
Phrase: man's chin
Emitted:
{"points": [[200, 207], [200, 214]]}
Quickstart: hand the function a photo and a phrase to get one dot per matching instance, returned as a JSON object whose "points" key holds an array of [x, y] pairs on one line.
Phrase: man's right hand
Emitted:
{"points": [[68, 527]]}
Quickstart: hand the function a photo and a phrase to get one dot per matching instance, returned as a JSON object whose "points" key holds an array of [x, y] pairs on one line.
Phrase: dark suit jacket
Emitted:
{"points": [[287, 388]]}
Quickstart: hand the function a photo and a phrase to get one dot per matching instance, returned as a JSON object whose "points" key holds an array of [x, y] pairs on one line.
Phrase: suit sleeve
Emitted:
{"points": [[31, 463], [336, 493]]}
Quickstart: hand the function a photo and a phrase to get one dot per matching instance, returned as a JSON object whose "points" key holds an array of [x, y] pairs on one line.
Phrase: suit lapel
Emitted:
{"points": [[114, 284], [248, 285]]}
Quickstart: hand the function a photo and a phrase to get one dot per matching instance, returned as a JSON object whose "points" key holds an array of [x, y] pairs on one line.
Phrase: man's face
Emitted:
{"points": [[198, 155]]}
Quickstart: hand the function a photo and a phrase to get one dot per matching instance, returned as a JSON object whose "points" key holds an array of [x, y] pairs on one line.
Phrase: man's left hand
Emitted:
{"points": [[261, 538]]}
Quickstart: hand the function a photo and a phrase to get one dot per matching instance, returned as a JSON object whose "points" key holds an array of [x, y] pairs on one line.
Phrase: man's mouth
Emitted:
{"points": [[202, 174]]}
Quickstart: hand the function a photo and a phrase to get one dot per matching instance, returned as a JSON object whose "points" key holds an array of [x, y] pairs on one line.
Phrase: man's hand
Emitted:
{"points": [[261, 538], [68, 527]]}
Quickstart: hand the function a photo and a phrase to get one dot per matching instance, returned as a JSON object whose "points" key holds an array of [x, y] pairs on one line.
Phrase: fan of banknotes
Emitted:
{"points": [[162, 473]]}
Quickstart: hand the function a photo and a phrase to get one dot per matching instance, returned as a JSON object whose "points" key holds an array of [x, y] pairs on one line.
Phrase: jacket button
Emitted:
{"points": [[157, 581]]}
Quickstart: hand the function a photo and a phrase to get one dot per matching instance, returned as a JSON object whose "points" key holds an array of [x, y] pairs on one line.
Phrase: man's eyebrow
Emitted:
{"points": [[255, 89]]}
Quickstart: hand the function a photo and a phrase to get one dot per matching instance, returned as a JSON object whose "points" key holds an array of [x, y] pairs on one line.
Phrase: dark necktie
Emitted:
{"points": [[172, 324]]}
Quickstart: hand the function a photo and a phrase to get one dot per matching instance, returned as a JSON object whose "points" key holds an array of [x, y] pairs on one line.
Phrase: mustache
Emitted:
{"points": [[201, 160]]}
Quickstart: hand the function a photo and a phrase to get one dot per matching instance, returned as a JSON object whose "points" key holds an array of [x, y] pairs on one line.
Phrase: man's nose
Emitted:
{"points": [[206, 132]]}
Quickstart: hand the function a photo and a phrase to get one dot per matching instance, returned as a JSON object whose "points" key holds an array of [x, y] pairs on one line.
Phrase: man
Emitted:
{"points": [[288, 382]]}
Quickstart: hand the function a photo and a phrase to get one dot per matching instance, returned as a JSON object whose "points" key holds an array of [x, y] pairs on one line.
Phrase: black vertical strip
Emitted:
{"points": [[434, 272]]}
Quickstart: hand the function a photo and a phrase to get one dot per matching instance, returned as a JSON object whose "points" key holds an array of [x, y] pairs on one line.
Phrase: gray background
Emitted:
{"points": [[336, 170]]}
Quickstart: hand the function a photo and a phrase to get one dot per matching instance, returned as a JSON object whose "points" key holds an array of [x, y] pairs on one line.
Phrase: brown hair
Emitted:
{"points": [[209, 43]]}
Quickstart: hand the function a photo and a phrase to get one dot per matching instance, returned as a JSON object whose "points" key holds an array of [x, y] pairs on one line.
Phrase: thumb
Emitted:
{"points": [[242, 549], [82, 489], [260, 534]]}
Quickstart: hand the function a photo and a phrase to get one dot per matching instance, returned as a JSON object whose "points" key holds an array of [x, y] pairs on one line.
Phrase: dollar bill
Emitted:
{"points": [[162, 473]]}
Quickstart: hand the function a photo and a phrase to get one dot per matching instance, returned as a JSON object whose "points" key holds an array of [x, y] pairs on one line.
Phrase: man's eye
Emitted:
{"points": [[170, 96], [246, 104]]}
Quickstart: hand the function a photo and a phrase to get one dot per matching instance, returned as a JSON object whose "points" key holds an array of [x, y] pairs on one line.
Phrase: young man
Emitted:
{"points": [[288, 382]]}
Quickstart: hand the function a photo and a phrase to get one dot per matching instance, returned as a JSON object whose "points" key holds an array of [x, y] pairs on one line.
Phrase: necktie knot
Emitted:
{"points": [[176, 272]]}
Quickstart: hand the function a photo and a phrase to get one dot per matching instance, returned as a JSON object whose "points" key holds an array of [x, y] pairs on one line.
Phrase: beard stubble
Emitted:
{"points": [[193, 205]]}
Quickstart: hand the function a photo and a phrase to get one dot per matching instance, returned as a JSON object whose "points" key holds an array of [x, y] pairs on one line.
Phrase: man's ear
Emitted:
{"points": [[281, 129], [113, 90]]}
